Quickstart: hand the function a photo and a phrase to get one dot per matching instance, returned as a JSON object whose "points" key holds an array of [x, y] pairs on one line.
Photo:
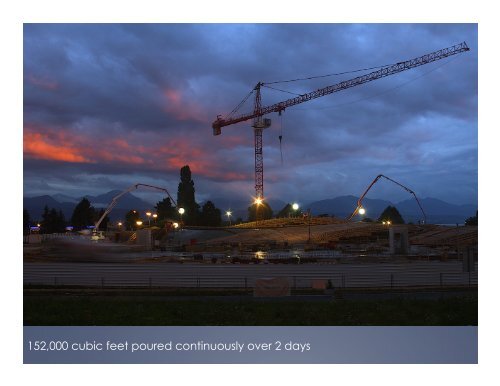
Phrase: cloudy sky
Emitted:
{"points": [[107, 106]]}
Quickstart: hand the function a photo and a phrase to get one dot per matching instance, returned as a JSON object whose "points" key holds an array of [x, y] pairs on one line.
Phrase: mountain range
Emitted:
{"points": [[437, 211]]}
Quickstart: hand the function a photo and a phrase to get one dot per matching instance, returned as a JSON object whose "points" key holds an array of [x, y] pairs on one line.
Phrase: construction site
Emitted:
{"points": [[316, 257]]}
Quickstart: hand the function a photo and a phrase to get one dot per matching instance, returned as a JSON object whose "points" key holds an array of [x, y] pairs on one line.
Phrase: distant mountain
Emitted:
{"points": [[128, 201], [343, 206], [35, 206], [64, 198], [437, 211]]}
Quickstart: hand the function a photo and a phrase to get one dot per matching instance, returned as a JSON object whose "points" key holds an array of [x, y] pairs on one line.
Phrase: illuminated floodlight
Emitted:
{"points": [[155, 215], [139, 223], [361, 211], [258, 201], [148, 214], [176, 225], [120, 224], [295, 206], [182, 211]]}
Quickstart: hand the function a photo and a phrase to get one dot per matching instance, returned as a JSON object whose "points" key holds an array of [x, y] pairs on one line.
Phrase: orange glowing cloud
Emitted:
{"points": [[155, 152], [39, 146]]}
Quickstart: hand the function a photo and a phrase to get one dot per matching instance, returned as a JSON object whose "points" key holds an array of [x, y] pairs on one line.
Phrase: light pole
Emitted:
{"points": [[138, 223], [228, 214], [155, 216], [149, 218], [257, 202], [181, 212], [309, 225], [295, 207]]}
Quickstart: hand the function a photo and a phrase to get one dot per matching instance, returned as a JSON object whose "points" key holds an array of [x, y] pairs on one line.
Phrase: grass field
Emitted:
{"points": [[58, 310]]}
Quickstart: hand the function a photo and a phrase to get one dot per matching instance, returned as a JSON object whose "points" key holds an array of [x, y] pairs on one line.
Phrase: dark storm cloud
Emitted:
{"points": [[138, 100]]}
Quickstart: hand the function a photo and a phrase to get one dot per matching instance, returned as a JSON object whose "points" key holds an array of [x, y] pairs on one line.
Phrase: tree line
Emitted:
{"points": [[85, 215]]}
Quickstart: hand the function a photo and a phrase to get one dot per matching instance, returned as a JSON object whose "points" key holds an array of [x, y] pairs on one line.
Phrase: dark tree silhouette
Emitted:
{"points": [[83, 215], [131, 219], [264, 212], [285, 212], [391, 214], [210, 215], [186, 197], [165, 210], [52, 221], [472, 221], [288, 211], [26, 221]]}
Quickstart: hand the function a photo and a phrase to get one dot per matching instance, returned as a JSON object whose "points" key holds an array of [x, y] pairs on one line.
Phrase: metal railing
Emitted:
{"points": [[417, 274]]}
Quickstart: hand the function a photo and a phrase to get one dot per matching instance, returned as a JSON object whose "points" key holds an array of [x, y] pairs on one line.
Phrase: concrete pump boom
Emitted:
{"points": [[117, 197], [360, 200]]}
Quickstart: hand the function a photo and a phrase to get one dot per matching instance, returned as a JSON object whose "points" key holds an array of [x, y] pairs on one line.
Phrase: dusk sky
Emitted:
{"points": [[107, 106]]}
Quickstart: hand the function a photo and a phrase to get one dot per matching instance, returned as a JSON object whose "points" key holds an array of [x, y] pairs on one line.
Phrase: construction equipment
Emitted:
{"points": [[97, 235], [360, 200], [260, 123]]}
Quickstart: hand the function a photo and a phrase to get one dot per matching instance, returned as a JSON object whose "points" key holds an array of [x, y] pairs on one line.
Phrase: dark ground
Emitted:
{"points": [[62, 307]]}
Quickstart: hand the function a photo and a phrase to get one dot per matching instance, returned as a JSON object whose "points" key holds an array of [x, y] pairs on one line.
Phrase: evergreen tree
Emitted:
{"points": [[210, 215], [83, 214], [131, 219], [165, 210], [26, 221], [285, 212], [391, 214], [264, 212], [186, 197], [52, 221], [472, 220]]}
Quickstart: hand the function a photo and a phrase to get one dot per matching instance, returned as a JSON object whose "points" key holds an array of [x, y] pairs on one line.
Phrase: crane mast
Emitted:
{"points": [[260, 123]]}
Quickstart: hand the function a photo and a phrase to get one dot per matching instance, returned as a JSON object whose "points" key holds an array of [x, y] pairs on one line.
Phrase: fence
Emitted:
{"points": [[386, 275], [49, 236]]}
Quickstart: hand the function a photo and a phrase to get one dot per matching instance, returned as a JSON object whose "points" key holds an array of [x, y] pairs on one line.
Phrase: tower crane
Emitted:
{"points": [[260, 123]]}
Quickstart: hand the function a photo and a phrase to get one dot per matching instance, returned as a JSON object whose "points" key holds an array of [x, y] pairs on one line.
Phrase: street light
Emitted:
{"points": [[228, 214], [362, 211], [139, 223], [149, 218], [181, 212], [257, 202], [295, 207]]}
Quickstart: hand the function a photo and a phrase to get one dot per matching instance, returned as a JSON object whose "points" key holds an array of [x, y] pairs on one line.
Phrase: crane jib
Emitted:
{"points": [[378, 74]]}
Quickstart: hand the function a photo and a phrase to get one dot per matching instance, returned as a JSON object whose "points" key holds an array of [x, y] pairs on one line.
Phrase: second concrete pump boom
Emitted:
{"points": [[117, 197], [360, 200]]}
